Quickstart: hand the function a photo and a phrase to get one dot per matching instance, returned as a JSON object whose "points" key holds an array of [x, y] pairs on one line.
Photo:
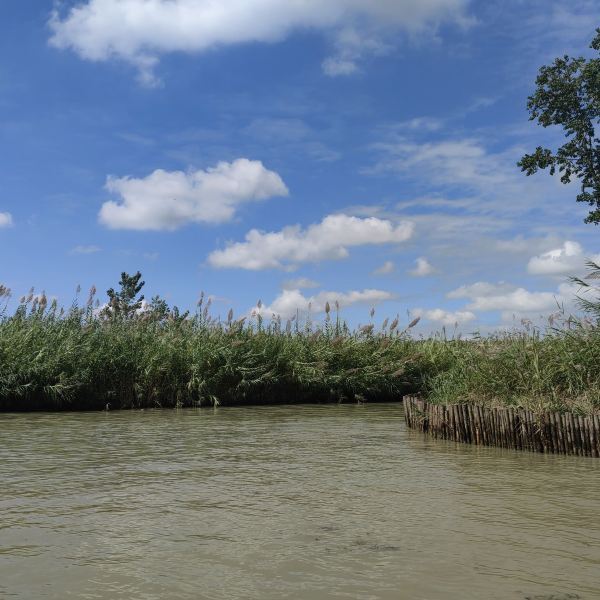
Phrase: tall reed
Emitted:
{"points": [[83, 358]]}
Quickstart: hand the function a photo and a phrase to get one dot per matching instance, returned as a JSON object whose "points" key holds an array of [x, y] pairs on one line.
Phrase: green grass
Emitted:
{"points": [[78, 360], [554, 372]]}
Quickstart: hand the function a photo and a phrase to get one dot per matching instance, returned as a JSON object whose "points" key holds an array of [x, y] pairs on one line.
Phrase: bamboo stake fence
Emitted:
{"points": [[516, 428]]}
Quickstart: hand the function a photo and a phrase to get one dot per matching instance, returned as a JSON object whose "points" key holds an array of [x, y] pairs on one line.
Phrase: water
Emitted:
{"points": [[305, 503]]}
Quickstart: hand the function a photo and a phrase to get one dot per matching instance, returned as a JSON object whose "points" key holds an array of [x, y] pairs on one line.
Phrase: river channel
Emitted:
{"points": [[302, 503]]}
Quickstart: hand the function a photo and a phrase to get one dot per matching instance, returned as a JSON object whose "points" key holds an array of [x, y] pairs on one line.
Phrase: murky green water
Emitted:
{"points": [[304, 503]]}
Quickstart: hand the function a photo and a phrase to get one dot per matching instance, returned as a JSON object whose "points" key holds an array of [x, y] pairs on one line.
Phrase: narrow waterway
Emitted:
{"points": [[305, 503]]}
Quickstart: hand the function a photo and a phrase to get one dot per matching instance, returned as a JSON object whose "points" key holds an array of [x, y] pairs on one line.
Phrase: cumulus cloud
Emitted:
{"points": [[139, 31], [289, 302], [423, 268], [444, 317], [327, 240], [6, 220], [519, 300], [166, 200], [385, 269], [569, 259], [512, 300]]}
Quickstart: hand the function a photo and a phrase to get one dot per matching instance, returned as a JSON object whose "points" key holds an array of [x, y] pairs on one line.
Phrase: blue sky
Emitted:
{"points": [[280, 150]]}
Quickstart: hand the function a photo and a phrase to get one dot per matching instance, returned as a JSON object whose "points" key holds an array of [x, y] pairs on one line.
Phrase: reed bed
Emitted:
{"points": [[87, 359], [82, 360]]}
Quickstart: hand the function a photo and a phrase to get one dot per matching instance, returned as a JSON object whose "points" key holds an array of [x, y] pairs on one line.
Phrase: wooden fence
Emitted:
{"points": [[562, 433]]}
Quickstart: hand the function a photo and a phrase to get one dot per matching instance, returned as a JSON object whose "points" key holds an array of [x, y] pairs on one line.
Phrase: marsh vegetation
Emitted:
{"points": [[127, 354]]}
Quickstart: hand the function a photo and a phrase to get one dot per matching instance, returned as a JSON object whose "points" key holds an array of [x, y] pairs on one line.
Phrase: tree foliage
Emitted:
{"points": [[125, 302], [568, 94]]}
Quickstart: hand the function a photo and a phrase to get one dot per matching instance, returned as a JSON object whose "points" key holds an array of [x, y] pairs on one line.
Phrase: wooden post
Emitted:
{"points": [[516, 428]]}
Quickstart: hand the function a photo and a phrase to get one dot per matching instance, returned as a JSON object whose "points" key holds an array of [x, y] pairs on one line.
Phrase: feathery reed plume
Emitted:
{"points": [[90, 299], [413, 323]]}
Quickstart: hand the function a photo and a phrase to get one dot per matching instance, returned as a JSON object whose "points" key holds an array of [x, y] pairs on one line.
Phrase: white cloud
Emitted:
{"points": [[465, 175], [85, 249], [327, 240], [139, 31], [351, 46], [385, 269], [462, 162], [334, 66], [445, 317], [423, 268], [481, 289], [6, 220], [291, 301], [566, 260], [168, 200], [526, 245], [299, 284], [519, 300], [510, 299]]}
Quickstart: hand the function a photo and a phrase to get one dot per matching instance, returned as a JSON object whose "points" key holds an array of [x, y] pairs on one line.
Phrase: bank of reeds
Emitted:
{"points": [[83, 359]]}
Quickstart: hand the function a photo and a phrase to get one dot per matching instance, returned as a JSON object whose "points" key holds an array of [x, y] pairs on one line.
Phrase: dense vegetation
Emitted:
{"points": [[88, 358], [567, 95]]}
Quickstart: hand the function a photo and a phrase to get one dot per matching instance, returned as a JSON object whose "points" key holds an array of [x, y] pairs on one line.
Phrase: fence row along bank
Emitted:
{"points": [[516, 428]]}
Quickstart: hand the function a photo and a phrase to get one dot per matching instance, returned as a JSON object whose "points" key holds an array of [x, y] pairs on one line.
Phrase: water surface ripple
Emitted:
{"points": [[305, 503]]}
